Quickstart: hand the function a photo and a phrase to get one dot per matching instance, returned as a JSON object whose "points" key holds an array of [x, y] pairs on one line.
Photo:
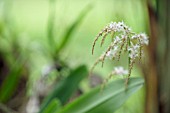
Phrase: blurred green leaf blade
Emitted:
{"points": [[73, 27], [53, 106], [64, 90], [109, 100], [10, 83]]}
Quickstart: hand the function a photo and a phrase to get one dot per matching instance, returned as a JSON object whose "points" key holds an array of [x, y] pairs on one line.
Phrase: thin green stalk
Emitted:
{"points": [[129, 59]]}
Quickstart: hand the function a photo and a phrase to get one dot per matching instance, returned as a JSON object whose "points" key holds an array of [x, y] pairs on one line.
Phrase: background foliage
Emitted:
{"points": [[45, 55]]}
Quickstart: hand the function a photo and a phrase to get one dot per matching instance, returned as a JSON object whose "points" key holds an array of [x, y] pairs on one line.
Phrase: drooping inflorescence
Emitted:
{"points": [[123, 40]]}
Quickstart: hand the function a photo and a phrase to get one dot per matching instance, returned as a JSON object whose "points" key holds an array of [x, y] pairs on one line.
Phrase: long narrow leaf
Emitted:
{"points": [[107, 101], [73, 27], [53, 106], [64, 90], [50, 27], [10, 84]]}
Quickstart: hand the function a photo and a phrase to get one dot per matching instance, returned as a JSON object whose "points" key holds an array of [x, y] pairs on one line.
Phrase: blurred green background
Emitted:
{"points": [[30, 19], [25, 31]]}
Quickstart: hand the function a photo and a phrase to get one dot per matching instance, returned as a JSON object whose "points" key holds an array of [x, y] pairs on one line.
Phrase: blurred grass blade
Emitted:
{"points": [[53, 106], [10, 83], [51, 22], [64, 90], [73, 27], [107, 101]]}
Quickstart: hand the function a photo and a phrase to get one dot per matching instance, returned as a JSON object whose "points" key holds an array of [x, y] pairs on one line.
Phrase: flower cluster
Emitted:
{"points": [[123, 40]]}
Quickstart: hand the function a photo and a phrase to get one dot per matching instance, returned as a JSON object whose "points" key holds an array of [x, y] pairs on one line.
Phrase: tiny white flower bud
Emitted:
{"points": [[144, 39]]}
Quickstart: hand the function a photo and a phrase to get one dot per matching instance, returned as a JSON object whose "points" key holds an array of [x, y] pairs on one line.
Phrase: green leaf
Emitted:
{"points": [[51, 23], [109, 100], [73, 27], [10, 83], [53, 106], [64, 90]]}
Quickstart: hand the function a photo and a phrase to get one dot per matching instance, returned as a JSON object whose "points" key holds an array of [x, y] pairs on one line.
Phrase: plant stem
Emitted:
{"points": [[129, 60]]}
